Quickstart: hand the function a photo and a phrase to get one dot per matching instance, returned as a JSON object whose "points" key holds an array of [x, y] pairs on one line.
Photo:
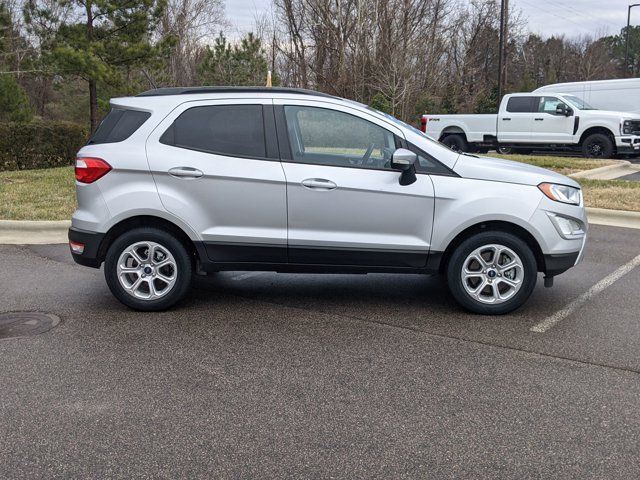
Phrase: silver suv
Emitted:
{"points": [[178, 182]]}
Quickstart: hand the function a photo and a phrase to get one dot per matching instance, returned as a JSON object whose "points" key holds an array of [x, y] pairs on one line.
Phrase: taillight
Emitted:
{"points": [[423, 124], [88, 169]]}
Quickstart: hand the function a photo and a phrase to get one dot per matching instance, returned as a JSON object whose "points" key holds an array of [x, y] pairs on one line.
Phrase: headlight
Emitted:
{"points": [[561, 193], [627, 129]]}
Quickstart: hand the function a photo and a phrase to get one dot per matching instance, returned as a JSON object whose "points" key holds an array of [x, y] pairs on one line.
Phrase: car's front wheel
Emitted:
{"points": [[492, 273], [148, 269]]}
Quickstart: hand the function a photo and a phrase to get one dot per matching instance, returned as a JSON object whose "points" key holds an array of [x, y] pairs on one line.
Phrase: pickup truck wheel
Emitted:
{"points": [[597, 145], [504, 150], [456, 142], [492, 273]]}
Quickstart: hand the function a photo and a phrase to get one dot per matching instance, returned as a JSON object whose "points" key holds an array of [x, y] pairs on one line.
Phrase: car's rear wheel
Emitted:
{"points": [[597, 145], [456, 142], [148, 269], [492, 273]]}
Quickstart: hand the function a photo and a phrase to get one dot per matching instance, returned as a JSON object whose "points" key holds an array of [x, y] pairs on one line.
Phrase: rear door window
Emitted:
{"points": [[118, 125], [522, 104], [230, 130]]}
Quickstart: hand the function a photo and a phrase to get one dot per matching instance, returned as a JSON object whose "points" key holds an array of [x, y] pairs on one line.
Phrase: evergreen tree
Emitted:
{"points": [[111, 37], [14, 103], [244, 64]]}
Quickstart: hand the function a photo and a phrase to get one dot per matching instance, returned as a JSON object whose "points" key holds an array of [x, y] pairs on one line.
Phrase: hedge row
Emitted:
{"points": [[39, 144]]}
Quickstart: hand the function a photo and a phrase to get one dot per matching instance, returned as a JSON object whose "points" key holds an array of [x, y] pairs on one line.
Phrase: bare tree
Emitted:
{"points": [[188, 25]]}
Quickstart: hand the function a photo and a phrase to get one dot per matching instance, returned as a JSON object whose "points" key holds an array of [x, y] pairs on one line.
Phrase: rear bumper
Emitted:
{"points": [[90, 257]]}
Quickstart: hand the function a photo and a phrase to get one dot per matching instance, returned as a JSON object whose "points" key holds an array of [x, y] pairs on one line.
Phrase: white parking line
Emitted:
{"points": [[244, 276], [607, 281]]}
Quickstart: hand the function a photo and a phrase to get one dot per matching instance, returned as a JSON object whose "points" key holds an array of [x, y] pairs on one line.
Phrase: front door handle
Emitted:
{"points": [[506, 119], [319, 184], [185, 172], [539, 119]]}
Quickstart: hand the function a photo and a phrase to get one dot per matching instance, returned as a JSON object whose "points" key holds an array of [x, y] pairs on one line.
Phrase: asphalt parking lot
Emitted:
{"points": [[263, 375]]}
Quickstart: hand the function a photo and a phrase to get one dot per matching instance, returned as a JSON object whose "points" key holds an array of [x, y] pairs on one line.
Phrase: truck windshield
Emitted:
{"points": [[578, 102]]}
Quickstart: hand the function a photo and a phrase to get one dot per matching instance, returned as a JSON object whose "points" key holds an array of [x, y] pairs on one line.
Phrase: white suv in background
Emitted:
{"points": [[177, 182]]}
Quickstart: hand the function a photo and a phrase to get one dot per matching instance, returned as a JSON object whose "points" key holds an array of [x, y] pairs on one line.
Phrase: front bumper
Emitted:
{"points": [[555, 264], [628, 144], [560, 252], [91, 255]]}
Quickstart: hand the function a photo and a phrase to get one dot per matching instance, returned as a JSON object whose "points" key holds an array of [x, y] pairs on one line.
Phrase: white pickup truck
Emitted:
{"points": [[548, 121]]}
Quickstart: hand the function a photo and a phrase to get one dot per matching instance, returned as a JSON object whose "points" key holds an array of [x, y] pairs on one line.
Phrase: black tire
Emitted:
{"points": [[457, 262], [597, 145], [504, 150], [182, 273], [456, 142]]}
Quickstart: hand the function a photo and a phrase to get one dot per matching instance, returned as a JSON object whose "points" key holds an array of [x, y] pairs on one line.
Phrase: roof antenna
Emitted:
{"points": [[268, 79], [151, 82]]}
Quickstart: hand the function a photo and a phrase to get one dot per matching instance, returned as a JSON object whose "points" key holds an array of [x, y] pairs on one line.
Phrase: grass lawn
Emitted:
{"points": [[614, 194], [49, 194], [564, 165]]}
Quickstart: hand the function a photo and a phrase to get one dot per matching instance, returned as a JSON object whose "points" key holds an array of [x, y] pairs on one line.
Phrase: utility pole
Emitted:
{"points": [[502, 57], [626, 42]]}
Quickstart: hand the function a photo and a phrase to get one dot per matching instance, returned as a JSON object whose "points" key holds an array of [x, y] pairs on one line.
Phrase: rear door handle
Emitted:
{"points": [[506, 119], [539, 119], [185, 172], [319, 184]]}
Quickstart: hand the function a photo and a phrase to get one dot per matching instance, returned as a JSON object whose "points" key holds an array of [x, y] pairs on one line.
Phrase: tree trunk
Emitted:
{"points": [[93, 91], [93, 104]]}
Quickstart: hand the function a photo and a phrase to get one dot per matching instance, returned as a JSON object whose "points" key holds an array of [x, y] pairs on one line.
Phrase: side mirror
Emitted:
{"points": [[405, 161], [562, 109]]}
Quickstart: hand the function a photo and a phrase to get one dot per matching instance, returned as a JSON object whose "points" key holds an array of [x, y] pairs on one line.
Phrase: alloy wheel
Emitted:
{"points": [[147, 270], [492, 274]]}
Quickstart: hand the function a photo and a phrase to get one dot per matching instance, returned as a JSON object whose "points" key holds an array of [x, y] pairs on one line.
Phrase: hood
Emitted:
{"points": [[498, 170], [610, 114]]}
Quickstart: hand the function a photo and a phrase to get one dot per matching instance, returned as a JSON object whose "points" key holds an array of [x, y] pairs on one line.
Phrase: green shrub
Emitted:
{"points": [[14, 103], [39, 144]]}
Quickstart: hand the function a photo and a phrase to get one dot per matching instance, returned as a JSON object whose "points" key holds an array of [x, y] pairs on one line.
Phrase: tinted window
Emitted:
{"points": [[233, 130], [427, 164], [329, 137], [522, 104], [119, 125]]}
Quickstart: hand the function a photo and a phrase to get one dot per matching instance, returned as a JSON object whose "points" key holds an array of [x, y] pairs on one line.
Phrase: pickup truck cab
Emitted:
{"points": [[528, 121]]}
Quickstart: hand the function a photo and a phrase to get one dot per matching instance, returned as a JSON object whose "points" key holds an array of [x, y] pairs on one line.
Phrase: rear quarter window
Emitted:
{"points": [[118, 125]]}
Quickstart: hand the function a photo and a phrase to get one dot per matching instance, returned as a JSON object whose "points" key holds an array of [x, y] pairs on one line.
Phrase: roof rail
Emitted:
{"points": [[195, 90]]}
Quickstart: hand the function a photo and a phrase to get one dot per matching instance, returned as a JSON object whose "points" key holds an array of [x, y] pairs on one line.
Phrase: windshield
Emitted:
{"points": [[578, 102]]}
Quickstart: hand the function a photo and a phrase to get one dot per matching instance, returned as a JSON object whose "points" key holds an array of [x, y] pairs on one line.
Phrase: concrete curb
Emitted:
{"points": [[608, 172], [613, 218], [31, 232]]}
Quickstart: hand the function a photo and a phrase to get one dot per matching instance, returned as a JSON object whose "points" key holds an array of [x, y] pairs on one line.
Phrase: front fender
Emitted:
{"points": [[462, 203]]}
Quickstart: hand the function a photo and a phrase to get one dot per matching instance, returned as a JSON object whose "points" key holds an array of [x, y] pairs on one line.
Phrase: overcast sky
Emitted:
{"points": [[546, 17]]}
